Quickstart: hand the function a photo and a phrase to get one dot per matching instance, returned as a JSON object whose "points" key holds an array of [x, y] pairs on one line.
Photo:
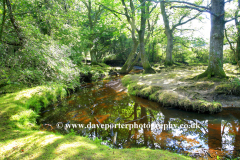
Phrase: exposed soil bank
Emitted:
{"points": [[175, 88]]}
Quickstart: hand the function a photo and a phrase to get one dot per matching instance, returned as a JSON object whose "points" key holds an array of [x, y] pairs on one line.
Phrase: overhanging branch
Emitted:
{"points": [[195, 8], [192, 4]]}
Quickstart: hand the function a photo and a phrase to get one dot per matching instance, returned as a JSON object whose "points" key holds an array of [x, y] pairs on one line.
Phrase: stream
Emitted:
{"points": [[107, 102]]}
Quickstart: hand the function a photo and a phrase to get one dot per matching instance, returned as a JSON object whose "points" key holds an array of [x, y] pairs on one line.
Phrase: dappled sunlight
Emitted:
{"points": [[168, 81], [28, 93], [75, 145], [140, 83], [148, 75], [48, 139]]}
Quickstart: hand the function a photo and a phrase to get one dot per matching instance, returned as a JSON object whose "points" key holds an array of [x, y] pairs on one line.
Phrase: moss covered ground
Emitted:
{"points": [[176, 87]]}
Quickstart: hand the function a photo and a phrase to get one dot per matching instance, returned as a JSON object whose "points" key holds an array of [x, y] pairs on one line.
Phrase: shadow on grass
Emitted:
{"points": [[22, 142]]}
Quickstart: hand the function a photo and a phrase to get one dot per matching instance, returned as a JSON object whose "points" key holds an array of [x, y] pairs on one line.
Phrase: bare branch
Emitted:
{"points": [[126, 12], [195, 8], [153, 9], [234, 52], [192, 4], [232, 19], [181, 23], [113, 11]]}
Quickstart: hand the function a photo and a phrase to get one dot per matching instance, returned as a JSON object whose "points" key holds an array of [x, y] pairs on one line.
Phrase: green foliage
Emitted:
{"points": [[45, 61], [72, 132], [45, 96]]}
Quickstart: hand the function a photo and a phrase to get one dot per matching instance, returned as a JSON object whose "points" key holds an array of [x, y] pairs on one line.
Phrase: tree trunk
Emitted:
{"points": [[144, 59], [168, 60], [238, 45], [127, 66], [3, 19], [169, 34], [237, 23], [215, 64], [14, 22], [93, 56], [146, 66], [153, 45]]}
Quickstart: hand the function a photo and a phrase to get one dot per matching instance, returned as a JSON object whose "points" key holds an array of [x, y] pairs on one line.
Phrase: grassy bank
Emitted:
{"points": [[176, 87], [20, 137]]}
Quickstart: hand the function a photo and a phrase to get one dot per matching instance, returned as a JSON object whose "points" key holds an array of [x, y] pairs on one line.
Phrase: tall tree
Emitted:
{"points": [[141, 33], [3, 18], [93, 14], [237, 23], [169, 31], [144, 15], [215, 64]]}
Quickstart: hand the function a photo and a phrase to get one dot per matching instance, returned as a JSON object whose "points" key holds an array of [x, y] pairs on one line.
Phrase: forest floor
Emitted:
{"points": [[20, 137], [175, 87]]}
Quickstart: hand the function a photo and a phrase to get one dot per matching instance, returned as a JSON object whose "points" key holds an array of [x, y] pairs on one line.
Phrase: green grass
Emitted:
{"points": [[20, 137]]}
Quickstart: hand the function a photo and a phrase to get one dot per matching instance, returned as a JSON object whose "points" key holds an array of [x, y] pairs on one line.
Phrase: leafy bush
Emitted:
{"points": [[42, 60]]}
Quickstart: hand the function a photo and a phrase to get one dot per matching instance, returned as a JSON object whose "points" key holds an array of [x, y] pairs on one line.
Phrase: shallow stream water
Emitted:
{"points": [[107, 102]]}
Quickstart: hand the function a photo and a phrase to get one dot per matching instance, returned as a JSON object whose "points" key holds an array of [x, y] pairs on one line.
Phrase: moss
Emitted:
{"points": [[172, 75], [218, 73], [204, 85], [154, 96], [168, 63], [148, 90], [232, 88], [202, 106], [149, 70], [185, 104], [172, 98], [126, 80], [168, 98], [134, 89]]}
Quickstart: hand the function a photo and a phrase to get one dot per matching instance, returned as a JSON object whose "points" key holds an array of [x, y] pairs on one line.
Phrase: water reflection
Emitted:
{"points": [[107, 103]]}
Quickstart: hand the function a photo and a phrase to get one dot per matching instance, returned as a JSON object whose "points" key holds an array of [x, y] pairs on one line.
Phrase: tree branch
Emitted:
{"points": [[181, 23], [192, 4], [234, 52], [113, 11], [195, 8], [126, 12], [232, 19], [14, 22]]}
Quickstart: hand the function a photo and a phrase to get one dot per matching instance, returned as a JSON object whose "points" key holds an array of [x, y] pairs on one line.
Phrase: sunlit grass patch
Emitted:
{"points": [[17, 141]]}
